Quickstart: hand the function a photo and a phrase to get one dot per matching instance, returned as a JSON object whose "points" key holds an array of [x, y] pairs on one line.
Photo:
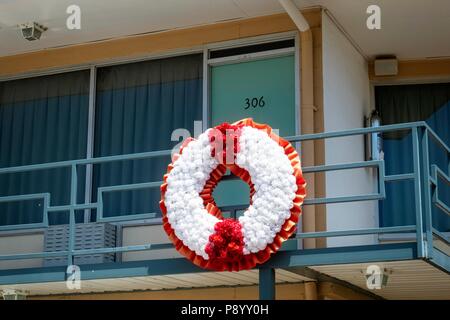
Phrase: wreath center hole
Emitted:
{"points": [[232, 196]]}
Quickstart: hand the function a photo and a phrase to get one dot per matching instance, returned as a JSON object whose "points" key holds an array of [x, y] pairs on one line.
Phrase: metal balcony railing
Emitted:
{"points": [[425, 176]]}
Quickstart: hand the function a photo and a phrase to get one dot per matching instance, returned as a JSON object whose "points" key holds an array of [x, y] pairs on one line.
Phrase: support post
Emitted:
{"points": [[310, 290], [267, 284], [72, 220]]}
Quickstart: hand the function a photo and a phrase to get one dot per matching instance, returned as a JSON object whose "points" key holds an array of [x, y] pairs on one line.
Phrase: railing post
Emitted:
{"points": [[72, 222], [267, 284], [417, 155], [90, 142], [427, 211]]}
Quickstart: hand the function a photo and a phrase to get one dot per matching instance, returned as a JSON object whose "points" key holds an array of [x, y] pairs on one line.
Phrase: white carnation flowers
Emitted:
{"points": [[185, 211], [278, 188], [275, 185]]}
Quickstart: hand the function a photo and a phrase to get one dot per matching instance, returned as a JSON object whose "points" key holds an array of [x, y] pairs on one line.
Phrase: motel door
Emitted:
{"points": [[262, 89]]}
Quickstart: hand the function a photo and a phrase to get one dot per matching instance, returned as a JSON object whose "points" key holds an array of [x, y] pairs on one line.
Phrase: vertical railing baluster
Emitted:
{"points": [[90, 142], [72, 222], [418, 193], [427, 192]]}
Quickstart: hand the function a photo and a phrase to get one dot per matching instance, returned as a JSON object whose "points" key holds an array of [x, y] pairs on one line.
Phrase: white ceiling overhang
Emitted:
{"points": [[410, 28]]}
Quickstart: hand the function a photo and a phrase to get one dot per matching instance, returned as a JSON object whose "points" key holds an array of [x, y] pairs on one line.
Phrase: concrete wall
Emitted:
{"points": [[346, 94], [137, 235]]}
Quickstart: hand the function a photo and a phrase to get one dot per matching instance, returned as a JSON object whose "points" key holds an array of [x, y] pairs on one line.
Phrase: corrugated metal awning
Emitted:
{"points": [[412, 279], [173, 281]]}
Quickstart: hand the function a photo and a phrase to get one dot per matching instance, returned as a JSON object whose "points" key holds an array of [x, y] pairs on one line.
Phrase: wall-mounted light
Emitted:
{"points": [[374, 141], [386, 66], [32, 31]]}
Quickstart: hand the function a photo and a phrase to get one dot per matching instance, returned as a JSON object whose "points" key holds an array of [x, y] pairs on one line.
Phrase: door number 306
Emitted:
{"points": [[254, 102]]}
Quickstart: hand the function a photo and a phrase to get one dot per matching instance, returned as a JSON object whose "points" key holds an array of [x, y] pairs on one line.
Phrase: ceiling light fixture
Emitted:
{"points": [[32, 31]]}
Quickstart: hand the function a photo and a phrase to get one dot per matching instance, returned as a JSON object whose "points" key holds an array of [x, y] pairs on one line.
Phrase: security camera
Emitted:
{"points": [[32, 31]]}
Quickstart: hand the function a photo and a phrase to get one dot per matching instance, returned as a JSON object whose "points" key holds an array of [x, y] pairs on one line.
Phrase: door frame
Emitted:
{"points": [[397, 82], [208, 63]]}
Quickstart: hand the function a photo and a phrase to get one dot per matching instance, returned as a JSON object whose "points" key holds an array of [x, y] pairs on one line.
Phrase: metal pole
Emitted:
{"points": [[418, 193], [267, 284], [90, 142], [73, 202]]}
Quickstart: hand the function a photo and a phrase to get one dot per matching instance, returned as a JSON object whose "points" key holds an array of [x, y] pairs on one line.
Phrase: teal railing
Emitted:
{"points": [[425, 176]]}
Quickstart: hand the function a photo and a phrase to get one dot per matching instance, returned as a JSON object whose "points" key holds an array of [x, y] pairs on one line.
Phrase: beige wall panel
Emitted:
{"points": [[144, 235], [16, 244]]}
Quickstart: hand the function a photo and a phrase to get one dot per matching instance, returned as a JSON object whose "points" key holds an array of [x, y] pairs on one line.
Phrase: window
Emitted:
{"points": [[42, 119], [408, 103], [138, 105]]}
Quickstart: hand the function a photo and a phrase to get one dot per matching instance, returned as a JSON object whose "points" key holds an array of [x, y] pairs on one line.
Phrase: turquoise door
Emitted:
{"points": [[263, 90]]}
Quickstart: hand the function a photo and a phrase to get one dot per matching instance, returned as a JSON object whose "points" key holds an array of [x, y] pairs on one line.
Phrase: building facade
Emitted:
{"points": [[86, 132]]}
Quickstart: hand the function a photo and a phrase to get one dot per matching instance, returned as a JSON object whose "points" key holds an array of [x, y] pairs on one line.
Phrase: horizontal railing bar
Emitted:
{"points": [[143, 247], [152, 154], [131, 186], [437, 173], [68, 163], [68, 207], [341, 166], [438, 139], [24, 197], [441, 235], [40, 166], [95, 205], [121, 157], [22, 256], [236, 207], [13, 227], [160, 246], [399, 177], [356, 232], [328, 167], [368, 197], [354, 132], [129, 217], [441, 205]]}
